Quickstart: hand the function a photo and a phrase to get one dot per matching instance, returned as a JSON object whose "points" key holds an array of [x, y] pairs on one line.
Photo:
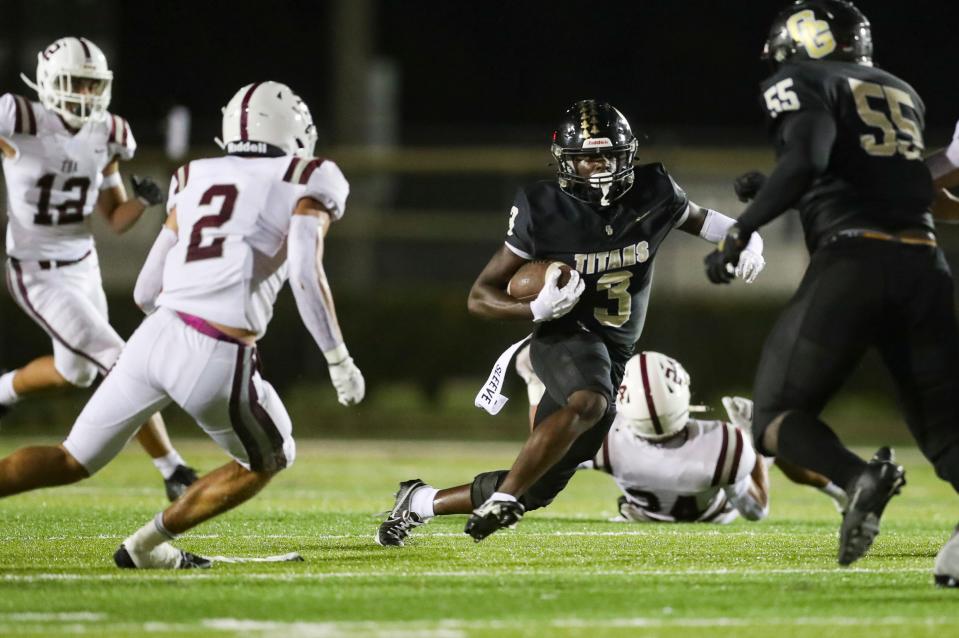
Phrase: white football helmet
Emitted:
{"points": [[73, 80], [267, 114], [653, 400]]}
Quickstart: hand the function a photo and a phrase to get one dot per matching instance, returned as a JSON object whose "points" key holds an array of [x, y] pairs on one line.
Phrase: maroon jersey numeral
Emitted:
{"points": [[70, 211], [195, 251]]}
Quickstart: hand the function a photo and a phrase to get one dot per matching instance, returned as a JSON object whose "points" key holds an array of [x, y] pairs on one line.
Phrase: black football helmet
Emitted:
{"points": [[591, 128], [820, 30]]}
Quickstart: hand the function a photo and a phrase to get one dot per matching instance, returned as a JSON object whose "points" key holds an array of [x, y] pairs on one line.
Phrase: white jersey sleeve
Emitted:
{"points": [[952, 152], [322, 180], [120, 143]]}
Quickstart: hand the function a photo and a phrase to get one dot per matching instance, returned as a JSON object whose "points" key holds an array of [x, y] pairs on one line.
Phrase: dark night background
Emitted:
{"points": [[471, 70], [437, 110]]}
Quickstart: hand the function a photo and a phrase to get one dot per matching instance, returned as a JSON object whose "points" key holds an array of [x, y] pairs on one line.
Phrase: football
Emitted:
{"points": [[529, 279]]}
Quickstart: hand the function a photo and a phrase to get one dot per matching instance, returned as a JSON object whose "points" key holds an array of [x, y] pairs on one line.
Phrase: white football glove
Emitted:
{"points": [[749, 266], [348, 381], [740, 411], [553, 302]]}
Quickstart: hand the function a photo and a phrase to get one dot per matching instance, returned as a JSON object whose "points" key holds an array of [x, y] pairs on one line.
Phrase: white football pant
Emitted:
{"points": [[216, 382], [69, 304]]}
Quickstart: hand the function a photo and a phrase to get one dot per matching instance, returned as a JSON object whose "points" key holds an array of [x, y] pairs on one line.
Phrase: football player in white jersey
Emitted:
{"points": [[61, 161], [672, 468], [237, 226], [739, 410]]}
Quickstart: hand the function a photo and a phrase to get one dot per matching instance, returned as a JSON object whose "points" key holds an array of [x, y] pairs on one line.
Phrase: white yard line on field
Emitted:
{"points": [[128, 576]]}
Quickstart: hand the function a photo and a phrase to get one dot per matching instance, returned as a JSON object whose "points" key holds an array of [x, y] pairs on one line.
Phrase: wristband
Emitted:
{"points": [[337, 355]]}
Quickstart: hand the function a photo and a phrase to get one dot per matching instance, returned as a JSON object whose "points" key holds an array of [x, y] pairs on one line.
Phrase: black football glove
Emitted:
{"points": [[748, 184], [493, 515], [721, 263], [147, 190]]}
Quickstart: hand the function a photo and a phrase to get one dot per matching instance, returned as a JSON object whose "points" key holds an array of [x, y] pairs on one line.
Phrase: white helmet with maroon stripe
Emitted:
{"points": [[653, 400], [73, 79], [267, 118]]}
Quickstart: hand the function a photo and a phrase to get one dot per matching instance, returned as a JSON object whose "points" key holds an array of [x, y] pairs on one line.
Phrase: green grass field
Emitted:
{"points": [[563, 572]]}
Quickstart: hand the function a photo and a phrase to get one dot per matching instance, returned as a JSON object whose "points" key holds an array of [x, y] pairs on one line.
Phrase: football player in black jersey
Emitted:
{"points": [[848, 138], [606, 218]]}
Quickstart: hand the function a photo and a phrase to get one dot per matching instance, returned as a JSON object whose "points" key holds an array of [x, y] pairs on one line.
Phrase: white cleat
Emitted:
{"points": [[163, 556], [946, 571]]}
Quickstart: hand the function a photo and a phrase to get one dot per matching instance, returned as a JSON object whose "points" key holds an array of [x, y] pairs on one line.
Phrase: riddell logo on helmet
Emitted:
{"points": [[597, 142], [246, 146]]}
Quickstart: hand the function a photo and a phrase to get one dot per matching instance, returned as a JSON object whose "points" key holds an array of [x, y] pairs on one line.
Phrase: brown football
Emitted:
{"points": [[529, 279]]}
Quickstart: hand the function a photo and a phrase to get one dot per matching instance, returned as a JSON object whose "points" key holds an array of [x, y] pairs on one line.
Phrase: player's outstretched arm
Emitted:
{"points": [[150, 280], [314, 299], [944, 166], [808, 138], [712, 226], [122, 213]]}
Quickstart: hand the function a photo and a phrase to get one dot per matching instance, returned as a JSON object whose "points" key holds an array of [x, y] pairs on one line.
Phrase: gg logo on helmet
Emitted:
{"points": [[813, 34]]}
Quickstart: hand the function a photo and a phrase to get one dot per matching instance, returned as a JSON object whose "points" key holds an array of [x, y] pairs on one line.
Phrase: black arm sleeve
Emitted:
{"points": [[807, 140]]}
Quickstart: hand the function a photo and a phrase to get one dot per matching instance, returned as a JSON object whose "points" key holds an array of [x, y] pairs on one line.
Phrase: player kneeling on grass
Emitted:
{"points": [[672, 468], [234, 223]]}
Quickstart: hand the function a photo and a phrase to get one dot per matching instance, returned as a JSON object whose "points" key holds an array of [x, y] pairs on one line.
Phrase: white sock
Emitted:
{"points": [[149, 536], [837, 494], [502, 496], [168, 464], [8, 395], [422, 502]]}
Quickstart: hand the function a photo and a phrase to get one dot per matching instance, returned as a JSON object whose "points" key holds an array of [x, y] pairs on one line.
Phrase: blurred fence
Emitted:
{"points": [[420, 225]]}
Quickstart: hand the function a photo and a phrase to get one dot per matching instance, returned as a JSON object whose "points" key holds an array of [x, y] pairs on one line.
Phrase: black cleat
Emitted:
{"points": [[183, 477], [492, 516], [172, 558], [868, 495], [393, 531]]}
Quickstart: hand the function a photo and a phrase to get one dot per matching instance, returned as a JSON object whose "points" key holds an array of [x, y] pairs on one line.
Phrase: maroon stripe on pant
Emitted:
{"points": [[736, 456], [607, 466], [722, 456], [278, 460], [243, 110], [649, 394], [236, 416], [46, 326], [312, 166]]}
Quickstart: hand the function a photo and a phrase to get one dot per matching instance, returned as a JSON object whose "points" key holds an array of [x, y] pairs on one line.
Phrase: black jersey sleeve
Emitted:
{"points": [[807, 141], [793, 89], [519, 234]]}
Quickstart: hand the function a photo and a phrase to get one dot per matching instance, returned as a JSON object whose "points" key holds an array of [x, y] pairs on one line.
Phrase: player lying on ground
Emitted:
{"points": [[234, 224], [648, 465], [605, 218], [670, 467], [849, 145], [61, 160]]}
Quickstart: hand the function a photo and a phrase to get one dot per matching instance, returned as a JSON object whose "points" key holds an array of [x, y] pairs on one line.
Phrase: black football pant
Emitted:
{"points": [[566, 361], [860, 293]]}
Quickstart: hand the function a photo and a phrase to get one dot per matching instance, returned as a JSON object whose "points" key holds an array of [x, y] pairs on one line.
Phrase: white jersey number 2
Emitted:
{"points": [[196, 251]]}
